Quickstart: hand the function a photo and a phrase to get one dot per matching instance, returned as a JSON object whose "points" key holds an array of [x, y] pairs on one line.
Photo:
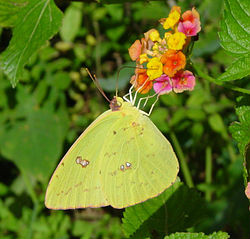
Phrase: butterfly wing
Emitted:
{"points": [[138, 162], [121, 159], [76, 181]]}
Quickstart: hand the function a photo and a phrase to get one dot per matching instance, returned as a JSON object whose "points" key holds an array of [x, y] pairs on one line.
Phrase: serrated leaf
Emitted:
{"points": [[39, 21], [9, 11], [239, 69], [241, 130], [235, 38], [200, 235], [235, 27], [174, 210]]}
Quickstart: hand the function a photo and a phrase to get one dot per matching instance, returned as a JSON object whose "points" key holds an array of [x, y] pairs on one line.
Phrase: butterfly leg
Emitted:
{"points": [[150, 111], [138, 90], [151, 96], [146, 100], [129, 94]]}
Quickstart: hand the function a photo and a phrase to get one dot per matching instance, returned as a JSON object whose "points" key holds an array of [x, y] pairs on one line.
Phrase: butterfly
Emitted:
{"points": [[120, 160]]}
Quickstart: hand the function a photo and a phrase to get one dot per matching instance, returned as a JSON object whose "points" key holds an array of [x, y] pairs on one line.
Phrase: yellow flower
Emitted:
{"points": [[171, 20], [154, 68], [154, 36], [143, 58], [167, 35], [176, 41], [155, 46]]}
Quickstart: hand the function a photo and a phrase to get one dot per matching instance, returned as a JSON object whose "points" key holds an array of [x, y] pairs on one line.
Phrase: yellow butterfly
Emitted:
{"points": [[120, 160]]}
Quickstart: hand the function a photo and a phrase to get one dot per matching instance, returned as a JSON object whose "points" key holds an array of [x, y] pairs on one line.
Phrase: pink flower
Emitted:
{"points": [[190, 24], [188, 28], [183, 80], [162, 85], [247, 190]]}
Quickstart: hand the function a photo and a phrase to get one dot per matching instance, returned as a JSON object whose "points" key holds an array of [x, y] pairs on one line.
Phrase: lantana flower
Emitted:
{"points": [[190, 24], [141, 81], [162, 85], [182, 81], [154, 68], [135, 50], [173, 61], [172, 19], [155, 36], [163, 54], [176, 41]]}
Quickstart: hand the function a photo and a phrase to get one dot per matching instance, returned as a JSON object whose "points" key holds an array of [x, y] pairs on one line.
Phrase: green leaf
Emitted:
{"points": [[200, 235], [241, 130], [71, 22], [9, 10], [235, 38], [239, 69], [216, 123], [35, 144], [33, 138], [176, 209], [39, 21]]}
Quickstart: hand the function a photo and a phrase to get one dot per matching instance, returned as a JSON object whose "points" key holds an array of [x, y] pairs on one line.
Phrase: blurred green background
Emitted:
{"points": [[56, 100]]}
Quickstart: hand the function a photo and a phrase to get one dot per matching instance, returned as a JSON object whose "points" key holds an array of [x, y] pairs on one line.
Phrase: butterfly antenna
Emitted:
{"points": [[95, 80]]}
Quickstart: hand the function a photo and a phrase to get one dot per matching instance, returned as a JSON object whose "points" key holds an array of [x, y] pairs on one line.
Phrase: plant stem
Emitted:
{"points": [[208, 172], [217, 82], [184, 166]]}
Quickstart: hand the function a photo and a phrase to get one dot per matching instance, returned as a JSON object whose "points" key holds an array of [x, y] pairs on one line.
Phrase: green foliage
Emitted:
{"points": [[71, 22], [188, 235], [41, 132], [235, 38], [9, 12], [241, 130], [177, 209], [29, 34]]}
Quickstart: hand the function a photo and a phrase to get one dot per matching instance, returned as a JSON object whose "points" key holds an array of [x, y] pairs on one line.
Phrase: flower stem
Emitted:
{"points": [[208, 170], [184, 166], [217, 82]]}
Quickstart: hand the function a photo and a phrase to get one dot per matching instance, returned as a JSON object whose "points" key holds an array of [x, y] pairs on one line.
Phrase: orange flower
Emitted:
{"points": [[140, 79], [135, 50], [173, 61]]}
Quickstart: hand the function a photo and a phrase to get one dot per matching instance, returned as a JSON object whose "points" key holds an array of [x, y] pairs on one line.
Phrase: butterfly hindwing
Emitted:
{"points": [[138, 163]]}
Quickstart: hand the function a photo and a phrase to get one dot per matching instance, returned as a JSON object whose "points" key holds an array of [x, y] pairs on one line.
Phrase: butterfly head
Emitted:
{"points": [[116, 103]]}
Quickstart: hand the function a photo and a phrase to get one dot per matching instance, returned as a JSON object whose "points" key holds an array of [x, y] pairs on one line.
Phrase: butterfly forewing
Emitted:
{"points": [[76, 181]]}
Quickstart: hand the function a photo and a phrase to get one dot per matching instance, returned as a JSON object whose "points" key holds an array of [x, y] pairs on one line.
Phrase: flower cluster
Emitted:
{"points": [[160, 60]]}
